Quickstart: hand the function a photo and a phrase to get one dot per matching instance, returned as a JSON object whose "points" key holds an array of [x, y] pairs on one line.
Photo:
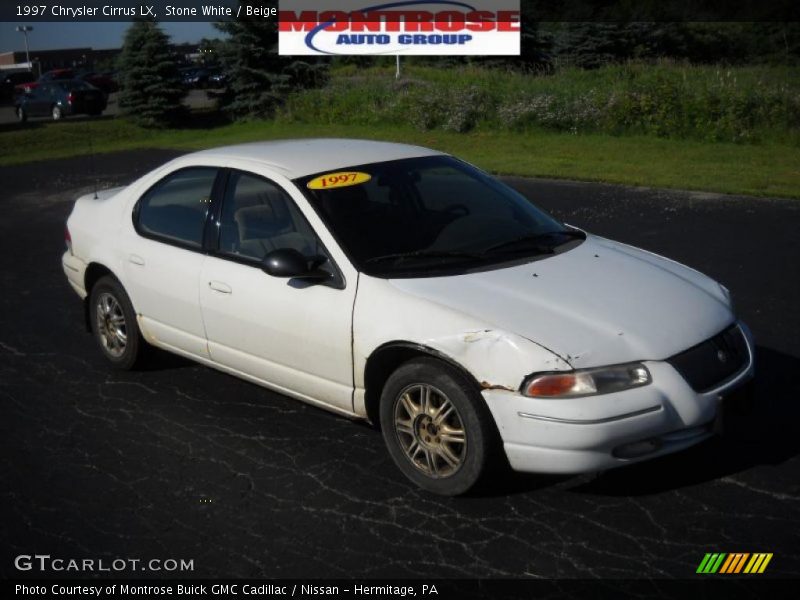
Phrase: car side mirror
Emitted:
{"points": [[288, 263]]}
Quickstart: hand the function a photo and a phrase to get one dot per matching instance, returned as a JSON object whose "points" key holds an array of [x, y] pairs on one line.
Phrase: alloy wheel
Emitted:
{"points": [[111, 326], [430, 431]]}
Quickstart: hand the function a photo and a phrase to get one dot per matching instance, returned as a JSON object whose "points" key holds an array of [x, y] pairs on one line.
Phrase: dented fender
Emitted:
{"points": [[497, 359]]}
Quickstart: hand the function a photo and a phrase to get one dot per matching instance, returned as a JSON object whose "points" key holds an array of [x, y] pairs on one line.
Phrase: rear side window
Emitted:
{"points": [[175, 208]]}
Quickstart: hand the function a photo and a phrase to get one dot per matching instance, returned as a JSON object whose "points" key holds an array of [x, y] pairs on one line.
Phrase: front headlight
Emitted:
{"points": [[586, 382]]}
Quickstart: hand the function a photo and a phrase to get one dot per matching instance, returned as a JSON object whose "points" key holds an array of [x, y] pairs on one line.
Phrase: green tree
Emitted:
{"points": [[782, 42], [588, 44], [258, 77], [209, 51], [150, 86]]}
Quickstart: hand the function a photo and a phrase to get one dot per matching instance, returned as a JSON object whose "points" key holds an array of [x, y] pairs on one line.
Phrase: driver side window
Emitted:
{"points": [[258, 217]]}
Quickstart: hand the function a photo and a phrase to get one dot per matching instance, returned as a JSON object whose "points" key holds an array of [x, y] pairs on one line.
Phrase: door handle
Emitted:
{"points": [[218, 286], [136, 259]]}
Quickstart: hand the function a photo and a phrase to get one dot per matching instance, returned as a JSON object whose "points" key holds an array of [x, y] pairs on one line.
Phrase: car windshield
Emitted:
{"points": [[431, 216]]}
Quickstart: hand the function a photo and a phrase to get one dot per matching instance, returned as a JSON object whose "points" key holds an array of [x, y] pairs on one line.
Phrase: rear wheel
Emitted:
{"points": [[436, 427], [22, 116], [114, 324], [57, 113]]}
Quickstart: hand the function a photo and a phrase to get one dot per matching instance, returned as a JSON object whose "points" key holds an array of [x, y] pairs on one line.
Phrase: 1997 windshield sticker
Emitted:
{"points": [[338, 180]]}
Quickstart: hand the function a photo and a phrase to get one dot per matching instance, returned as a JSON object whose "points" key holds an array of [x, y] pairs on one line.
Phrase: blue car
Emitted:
{"points": [[59, 99]]}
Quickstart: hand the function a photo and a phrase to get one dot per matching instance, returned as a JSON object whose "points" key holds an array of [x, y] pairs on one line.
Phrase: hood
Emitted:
{"points": [[600, 303]]}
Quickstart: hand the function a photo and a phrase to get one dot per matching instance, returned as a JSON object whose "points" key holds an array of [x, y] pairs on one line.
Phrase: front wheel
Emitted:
{"points": [[436, 427], [57, 113], [114, 325]]}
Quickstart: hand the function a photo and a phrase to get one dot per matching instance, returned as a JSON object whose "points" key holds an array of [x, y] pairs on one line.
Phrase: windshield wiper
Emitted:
{"points": [[422, 254], [536, 241]]}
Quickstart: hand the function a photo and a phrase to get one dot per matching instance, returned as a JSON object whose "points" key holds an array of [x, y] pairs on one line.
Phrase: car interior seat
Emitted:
{"points": [[265, 224]]}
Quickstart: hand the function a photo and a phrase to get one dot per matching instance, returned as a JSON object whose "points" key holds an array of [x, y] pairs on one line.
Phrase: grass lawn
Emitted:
{"points": [[753, 169]]}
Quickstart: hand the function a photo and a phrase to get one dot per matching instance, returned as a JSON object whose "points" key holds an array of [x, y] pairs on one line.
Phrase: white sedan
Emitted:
{"points": [[404, 286]]}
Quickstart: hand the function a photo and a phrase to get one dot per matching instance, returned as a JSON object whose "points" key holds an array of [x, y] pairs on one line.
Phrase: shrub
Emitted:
{"points": [[744, 104]]}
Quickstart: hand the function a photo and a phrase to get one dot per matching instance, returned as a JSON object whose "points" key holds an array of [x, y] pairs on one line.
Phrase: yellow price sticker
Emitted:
{"points": [[338, 180]]}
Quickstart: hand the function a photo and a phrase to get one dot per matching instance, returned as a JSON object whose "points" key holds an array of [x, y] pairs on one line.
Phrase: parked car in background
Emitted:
{"points": [[57, 75], [54, 75], [198, 78], [101, 81], [112, 76], [217, 79], [202, 77], [59, 99], [9, 80], [401, 285], [187, 75]]}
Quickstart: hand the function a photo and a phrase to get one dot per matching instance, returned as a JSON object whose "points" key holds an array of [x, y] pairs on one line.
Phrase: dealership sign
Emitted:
{"points": [[404, 27]]}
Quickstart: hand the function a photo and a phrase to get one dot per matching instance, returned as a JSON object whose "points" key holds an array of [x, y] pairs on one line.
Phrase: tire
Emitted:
{"points": [[448, 453], [57, 113], [114, 325], [22, 116]]}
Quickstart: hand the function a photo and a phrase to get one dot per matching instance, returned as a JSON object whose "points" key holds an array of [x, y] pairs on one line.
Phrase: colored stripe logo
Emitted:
{"points": [[734, 563]]}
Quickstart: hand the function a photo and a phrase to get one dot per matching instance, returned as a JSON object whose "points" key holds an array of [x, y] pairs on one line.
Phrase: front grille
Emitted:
{"points": [[710, 363]]}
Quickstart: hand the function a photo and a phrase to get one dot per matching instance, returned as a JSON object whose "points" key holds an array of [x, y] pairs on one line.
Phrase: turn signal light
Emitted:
{"points": [[551, 385]]}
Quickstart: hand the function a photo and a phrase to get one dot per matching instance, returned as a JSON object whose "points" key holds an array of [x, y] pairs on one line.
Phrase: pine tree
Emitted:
{"points": [[150, 86], [588, 44], [258, 77]]}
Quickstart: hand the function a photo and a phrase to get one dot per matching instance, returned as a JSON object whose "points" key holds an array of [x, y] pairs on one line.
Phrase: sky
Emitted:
{"points": [[49, 36]]}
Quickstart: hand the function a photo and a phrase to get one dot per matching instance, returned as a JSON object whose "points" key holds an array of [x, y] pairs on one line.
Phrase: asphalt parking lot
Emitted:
{"points": [[180, 461]]}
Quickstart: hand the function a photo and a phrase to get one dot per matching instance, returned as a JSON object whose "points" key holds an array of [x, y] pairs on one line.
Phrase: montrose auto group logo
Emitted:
{"points": [[403, 27]]}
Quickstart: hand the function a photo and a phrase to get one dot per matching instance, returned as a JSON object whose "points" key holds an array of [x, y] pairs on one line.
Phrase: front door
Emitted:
{"points": [[294, 336]]}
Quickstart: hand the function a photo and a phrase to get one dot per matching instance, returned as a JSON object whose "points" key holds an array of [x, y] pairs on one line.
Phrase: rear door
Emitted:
{"points": [[37, 102], [164, 258]]}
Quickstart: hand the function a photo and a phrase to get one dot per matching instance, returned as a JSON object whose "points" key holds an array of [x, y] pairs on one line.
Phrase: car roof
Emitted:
{"points": [[298, 158]]}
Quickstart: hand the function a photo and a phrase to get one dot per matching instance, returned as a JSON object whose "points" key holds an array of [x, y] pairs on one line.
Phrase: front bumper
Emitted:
{"points": [[611, 430]]}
